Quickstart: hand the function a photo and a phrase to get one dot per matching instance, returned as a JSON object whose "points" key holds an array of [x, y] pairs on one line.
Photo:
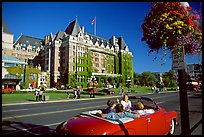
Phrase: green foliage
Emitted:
{"points": [[169, 79], [136, 78], [18, 70], [126, 67], [148, 79], [15, 70]]}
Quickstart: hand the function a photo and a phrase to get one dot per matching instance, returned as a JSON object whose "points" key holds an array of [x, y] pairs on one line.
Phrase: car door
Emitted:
{"points": [[156, 123], [140, 126]]}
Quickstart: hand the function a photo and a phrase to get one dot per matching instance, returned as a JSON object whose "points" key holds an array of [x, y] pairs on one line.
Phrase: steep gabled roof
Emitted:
{"points": [[73, 28], [59, 35], [28, 40], [5, 27]]}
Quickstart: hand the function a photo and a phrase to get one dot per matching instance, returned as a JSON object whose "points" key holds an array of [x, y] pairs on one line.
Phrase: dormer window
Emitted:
{"points": [[17, 48]]}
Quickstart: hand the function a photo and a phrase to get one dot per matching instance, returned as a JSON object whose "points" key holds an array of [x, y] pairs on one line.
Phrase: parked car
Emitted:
{"points": [[160, 122], [108, 91]]}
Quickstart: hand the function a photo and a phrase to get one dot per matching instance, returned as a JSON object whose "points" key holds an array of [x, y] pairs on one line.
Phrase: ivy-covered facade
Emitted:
{"points": [[74, 56]]}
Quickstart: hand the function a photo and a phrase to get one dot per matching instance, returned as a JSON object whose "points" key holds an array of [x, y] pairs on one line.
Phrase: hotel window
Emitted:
{"points": [[97, 59], [97, 65], [96, 54]]}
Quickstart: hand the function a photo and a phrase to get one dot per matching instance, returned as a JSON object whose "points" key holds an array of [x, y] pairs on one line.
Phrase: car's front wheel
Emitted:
{"points": [[172, 128]]}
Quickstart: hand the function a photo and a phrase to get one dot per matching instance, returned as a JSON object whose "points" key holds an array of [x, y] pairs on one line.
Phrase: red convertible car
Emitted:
{"points": [[155, 122]]}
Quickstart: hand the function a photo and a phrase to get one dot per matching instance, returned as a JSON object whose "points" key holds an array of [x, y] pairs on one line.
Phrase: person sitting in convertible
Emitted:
{"points": [[139, 108], [111, 107], [120, 113]]}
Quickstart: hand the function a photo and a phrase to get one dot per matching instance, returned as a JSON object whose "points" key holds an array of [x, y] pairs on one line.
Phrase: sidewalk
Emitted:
{"points": [[68, 100]]}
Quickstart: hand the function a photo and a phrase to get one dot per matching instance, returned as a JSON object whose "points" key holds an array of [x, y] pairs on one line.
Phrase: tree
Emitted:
{"points": [[169, 79], [136, 77], [148, 79], [15, 70]]}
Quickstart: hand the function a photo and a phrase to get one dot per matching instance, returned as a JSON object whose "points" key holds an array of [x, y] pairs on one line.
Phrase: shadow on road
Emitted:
{"points": [[19, 128]]}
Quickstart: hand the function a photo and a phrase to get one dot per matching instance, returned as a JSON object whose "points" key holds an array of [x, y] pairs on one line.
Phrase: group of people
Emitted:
{"points": [[39, 94], [123, 108]]}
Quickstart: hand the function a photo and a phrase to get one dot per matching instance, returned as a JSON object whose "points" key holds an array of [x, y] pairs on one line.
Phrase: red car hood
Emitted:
{"points": [[84, 125]]}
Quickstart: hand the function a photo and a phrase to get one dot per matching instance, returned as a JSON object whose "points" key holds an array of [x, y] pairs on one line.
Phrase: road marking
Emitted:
{"points": [[14, 110], [26, 129], [28, 115], [53, 124], [161, 102]]}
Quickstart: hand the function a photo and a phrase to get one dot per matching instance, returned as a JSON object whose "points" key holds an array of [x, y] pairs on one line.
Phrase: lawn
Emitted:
{"points": [[61, 95], [30, 97]]}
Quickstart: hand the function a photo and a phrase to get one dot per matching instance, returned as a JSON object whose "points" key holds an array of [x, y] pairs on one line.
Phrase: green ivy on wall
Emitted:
{"points": [[18, 70]]}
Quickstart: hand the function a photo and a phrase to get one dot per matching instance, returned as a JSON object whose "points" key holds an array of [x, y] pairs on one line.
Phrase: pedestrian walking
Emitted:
{"points": [[78, 93], [75, 93], [36, 95], [41, 94]]}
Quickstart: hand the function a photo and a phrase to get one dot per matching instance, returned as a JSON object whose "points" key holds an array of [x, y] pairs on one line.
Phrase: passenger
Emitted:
{"points": [[117, 101], [126, 103], [140, 109], [120, 113], [111, 107]]}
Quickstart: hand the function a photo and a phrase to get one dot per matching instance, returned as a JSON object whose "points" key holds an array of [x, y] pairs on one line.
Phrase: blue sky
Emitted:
{"points": [[38, 19]]}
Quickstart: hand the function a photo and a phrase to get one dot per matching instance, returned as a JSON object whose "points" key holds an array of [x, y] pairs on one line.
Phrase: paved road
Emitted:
{"points": [[35, 118]]}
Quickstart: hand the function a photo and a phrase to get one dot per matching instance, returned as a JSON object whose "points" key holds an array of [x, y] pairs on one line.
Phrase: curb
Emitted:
{"points": [[52, 101]]}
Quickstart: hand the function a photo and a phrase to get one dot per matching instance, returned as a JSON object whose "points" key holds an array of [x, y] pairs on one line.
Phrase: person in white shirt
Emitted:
{"points": [[140, 109], [126, 103]]}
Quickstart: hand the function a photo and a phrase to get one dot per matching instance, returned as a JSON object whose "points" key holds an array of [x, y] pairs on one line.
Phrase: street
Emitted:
{"points": [[42, 118]]}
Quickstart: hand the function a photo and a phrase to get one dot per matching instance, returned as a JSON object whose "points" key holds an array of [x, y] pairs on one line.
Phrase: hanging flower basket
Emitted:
{"points": [[172, 26]]}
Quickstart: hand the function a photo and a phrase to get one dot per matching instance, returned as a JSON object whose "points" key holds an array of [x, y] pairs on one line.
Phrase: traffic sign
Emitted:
{"points": [[178, 61]]}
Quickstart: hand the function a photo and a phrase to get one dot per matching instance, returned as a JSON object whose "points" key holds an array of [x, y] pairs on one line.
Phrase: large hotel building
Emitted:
{"points": [[74, 57]]}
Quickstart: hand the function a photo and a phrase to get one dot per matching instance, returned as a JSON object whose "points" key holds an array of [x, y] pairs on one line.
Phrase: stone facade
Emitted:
{"points": [[74, 55]]}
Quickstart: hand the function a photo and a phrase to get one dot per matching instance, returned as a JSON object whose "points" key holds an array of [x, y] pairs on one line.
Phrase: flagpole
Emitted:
{"points": [[95, 27]]}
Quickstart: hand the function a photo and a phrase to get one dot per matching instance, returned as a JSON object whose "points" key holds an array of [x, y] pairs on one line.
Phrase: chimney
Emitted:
{"points": [[113, 40], [82, 28]]}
